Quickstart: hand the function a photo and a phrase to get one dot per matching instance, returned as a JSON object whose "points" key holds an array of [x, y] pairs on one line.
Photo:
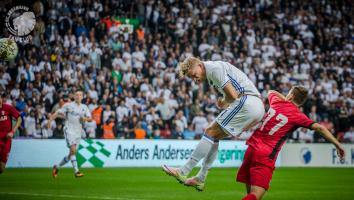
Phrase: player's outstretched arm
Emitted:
{"points": [[14, 129], [85, 119], [230, 95], [53, 117], [329, 136], [278, 94]]}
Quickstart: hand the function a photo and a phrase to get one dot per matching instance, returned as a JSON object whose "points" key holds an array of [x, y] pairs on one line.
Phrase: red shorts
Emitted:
{"points": [[5, 147], [254, 171]]}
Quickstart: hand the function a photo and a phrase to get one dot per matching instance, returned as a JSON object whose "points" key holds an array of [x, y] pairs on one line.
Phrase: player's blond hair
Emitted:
{"points": [[300, 94], [187, 64]]}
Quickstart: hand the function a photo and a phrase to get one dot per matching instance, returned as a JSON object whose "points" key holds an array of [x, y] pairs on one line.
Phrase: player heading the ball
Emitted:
{"points": [[242, 109]]}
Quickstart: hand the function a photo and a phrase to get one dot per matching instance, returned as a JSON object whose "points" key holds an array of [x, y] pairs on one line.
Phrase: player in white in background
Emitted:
{"points": [[75, 115], [242, 106]]}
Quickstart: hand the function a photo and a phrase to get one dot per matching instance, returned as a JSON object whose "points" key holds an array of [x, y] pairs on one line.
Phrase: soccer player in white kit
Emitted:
{"points": [[243, 109], [75, 115]]}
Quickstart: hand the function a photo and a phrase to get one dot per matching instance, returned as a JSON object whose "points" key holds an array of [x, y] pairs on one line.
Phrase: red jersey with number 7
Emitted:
{"points": [[282, 119]]}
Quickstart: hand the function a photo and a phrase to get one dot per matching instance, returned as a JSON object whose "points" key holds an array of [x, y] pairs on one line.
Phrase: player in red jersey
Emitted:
{"points": [[283, 117], [7, 113]]}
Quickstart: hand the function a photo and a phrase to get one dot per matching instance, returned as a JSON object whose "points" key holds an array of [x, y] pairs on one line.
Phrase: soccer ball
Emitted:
{"points": [[8, 49]]}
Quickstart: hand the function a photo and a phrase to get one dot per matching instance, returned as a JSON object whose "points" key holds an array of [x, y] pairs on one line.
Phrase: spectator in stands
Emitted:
{"points": [[90, 128], [313, 114], [329, 125], [199, 123], [188, 133], [349, 135], [30, 124], [278, 47], [139, 132], [97, 117], [109, 128], [107, 113], [165, 110], [47, 133], [180, 123], [305, 135], [58, 132]]}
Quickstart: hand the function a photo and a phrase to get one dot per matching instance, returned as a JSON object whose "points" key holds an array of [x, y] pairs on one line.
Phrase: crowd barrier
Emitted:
{"points": [[119, 153]]}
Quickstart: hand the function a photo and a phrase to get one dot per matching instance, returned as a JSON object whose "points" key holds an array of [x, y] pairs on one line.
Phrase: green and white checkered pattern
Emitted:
{"points": [[92, 153]]}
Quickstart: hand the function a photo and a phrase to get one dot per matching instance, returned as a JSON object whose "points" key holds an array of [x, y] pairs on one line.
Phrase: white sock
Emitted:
{"points": [[208, 162], [64, 161], [199, 152], [74, 163]]}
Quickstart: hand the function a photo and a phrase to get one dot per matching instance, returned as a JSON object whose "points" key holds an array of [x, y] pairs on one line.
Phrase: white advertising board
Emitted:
{"points": [[120, 153], [315, 155]]}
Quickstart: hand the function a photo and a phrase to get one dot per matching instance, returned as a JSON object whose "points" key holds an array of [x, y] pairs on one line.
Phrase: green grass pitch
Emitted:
{"points": [[153, 184]]}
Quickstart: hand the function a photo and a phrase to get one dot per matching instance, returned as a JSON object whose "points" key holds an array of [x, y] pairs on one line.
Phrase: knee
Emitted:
{"points": [[208, 130], [215, 132], [258, 196], [211, 132]]}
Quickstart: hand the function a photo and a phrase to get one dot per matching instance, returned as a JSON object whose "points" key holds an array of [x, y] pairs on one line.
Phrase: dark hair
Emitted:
{"points": [[79, 90]]}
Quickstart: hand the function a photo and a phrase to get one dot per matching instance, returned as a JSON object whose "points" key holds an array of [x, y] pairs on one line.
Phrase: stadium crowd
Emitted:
{"points": [[129, 78]]}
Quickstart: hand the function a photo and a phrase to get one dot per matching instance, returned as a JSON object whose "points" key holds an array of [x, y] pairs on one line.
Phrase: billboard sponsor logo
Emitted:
{"points": [[337, 161], [231, 154], [92, 152], [156, 153], [305, 155]]}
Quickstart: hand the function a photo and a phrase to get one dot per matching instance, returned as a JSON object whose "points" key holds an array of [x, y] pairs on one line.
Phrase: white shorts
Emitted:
{"points": [[72, 136], [241, 115]]}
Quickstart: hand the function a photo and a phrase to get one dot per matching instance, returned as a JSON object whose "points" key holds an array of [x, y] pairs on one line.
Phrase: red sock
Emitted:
{"points": [[250, 197]]}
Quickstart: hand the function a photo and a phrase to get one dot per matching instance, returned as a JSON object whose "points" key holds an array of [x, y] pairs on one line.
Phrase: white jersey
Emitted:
{"points": [[219, 73], [73, 112]]}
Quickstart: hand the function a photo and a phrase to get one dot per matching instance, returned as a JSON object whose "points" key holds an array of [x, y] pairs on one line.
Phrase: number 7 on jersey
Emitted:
{"points": [[281, 118]]}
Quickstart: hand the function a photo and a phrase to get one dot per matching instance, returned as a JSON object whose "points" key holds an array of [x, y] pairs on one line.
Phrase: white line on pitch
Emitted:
{"points": [[66, 196]]}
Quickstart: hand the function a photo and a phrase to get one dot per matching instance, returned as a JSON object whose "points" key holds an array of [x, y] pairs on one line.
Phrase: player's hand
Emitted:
{"points": [[10, 135], [83, 119], [220, 103], [340, 152]]}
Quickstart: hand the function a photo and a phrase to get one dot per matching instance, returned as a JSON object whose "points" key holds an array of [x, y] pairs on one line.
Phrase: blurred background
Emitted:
{"points": [[124, 56]]}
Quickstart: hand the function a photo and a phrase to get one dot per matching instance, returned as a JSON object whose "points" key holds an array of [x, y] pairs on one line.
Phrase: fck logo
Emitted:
{"points": [[3, 118]]}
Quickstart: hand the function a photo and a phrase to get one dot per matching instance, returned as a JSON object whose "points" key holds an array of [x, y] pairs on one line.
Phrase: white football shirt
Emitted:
{"points": [[73, 112], [219, 73]]}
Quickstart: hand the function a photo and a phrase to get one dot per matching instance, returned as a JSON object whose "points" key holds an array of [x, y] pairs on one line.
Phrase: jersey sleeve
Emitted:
{"points": [[64, 109], [303, 121], [220, 77]]}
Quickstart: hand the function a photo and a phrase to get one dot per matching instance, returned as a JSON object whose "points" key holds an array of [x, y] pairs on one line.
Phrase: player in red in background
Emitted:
{"points": [[283, 117], [7, 113]]}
